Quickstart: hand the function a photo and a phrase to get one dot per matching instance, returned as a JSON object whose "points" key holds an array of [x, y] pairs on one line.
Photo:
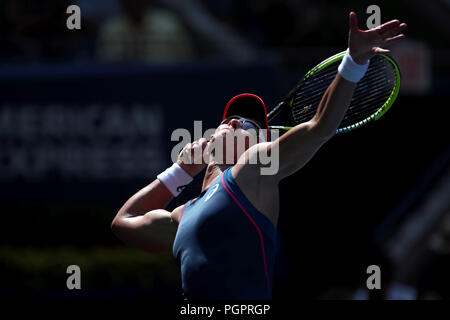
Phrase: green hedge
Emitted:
{"points": [[40, 269]]}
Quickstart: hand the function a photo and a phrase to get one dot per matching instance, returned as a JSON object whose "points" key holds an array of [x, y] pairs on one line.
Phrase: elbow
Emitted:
{"points": [[120, 230], [116, 227], [119, 225]]}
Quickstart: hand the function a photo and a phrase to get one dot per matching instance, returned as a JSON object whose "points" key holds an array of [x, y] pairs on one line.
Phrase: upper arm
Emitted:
{"points": [[297, 146], [285, 155], [153, 231]]}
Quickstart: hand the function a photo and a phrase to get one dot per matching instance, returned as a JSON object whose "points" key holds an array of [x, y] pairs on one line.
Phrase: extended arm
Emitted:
{"points": [[298, 145]]}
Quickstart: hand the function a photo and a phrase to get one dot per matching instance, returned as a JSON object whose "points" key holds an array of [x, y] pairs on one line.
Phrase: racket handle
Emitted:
{"points": [[280, 127], [287, 128]]}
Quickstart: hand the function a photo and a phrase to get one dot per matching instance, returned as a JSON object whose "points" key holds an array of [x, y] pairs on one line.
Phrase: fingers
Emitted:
{"points": [[393, 39], [353, 21], [391, 28], [388, 26], [393, 31], [197, 144], [197, 150], [204, 147], [203, 142], [194, 153], [378, 50], [184, 156]]}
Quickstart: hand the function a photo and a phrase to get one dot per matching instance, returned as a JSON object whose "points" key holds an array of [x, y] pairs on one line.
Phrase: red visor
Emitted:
{"points": [[249, 106]]}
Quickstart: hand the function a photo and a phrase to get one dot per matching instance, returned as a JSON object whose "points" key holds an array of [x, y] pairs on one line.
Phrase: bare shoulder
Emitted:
{"points": [[258, 165], [260, 189]]}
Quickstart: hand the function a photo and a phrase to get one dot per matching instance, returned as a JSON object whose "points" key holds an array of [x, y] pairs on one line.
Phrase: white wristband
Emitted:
{"points": [[175, 179], [350, 70]]}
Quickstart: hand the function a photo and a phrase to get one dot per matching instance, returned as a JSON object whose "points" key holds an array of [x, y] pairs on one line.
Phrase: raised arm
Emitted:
{"points": [[143, 222], [299, 144]]}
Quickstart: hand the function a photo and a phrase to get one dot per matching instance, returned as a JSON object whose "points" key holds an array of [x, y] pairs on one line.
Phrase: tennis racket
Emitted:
{"points": [[373, 96]]}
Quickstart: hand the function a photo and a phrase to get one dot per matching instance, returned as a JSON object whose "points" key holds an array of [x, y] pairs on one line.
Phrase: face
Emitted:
{"points": [[232, 138]]}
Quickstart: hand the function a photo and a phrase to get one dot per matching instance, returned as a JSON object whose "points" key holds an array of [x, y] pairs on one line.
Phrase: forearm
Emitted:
{"points": [[142, 220], [299, 144], [153, 196], [139, 222], [157, 195], [333, 106]]}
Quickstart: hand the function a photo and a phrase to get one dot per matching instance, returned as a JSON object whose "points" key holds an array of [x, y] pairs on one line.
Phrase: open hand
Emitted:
{"points": [[365, 44]]}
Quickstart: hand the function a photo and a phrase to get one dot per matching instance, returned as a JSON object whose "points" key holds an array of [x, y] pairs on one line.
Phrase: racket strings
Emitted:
{"points": [[360, 96], [308, 98], [320, 80], [329, 73], [370, 94], [316, 94]]}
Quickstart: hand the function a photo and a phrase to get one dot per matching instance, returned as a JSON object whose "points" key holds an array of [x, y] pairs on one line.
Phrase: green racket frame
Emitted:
{"points": [[375, 116]]}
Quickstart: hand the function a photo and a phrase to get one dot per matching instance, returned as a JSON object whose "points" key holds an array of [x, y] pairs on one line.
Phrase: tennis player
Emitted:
{"points": [[225, 239]]}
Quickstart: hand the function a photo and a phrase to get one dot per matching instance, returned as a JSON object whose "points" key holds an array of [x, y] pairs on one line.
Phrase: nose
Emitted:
{"points": [[235, 123]]}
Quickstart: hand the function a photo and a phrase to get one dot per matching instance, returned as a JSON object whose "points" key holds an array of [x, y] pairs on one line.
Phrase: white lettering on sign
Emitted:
{"points": [[94, 142]]}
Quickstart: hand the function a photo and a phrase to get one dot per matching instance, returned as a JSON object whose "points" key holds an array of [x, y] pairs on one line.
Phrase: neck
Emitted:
{"points": [[212, 172]]}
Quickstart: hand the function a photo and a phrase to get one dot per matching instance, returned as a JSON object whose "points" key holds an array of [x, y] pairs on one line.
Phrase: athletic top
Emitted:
{"points": [[224, 246]]}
